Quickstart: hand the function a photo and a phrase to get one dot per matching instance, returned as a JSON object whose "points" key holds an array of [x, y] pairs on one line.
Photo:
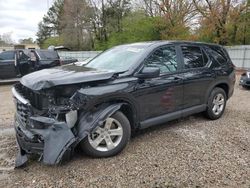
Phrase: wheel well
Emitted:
{"points": [[224, 87], [127, 110]]}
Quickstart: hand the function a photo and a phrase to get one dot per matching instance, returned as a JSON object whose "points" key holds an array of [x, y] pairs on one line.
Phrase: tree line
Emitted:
{"points": [[100, 24]]}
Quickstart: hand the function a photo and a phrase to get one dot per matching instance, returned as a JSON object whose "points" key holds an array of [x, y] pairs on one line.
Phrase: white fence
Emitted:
{"points": [[240, 55], [80, 55]]}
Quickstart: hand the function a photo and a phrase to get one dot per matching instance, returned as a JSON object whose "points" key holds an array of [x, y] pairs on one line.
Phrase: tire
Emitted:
{"points": [[115, 124], [246, 87], [216, 104]]}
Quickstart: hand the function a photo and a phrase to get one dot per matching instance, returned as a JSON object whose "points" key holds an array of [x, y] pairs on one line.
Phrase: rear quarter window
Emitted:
{"points": [[217, 54]]}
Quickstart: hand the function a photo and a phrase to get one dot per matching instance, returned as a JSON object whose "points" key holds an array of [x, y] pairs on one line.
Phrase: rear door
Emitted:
{"points": [[7, 64], [161, 95], [196, 75]]}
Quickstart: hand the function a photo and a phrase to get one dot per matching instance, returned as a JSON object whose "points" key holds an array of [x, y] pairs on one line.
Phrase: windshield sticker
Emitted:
{"points": [[136, 50]]}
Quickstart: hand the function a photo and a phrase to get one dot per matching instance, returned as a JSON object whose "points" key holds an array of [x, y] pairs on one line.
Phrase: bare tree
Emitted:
{"points": [[178, 11], [108, 16], [7, 38], [216, 14], [76, 24], [150, 7]]}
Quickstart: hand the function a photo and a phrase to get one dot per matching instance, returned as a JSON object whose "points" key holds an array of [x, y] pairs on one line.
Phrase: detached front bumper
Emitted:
{"points": [[28, 141], [53, 141]]}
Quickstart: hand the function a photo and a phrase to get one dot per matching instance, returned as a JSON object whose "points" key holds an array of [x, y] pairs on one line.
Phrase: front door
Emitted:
{"points": [[7, 65], [164, 94]]}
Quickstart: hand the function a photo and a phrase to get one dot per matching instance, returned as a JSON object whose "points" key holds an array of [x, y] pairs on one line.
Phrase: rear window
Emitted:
{"points": [[8, 55], [48, 55]]}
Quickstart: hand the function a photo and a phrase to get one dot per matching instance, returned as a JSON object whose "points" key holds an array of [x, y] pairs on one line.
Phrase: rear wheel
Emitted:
{"points": [[216, 104], [108, 139]]}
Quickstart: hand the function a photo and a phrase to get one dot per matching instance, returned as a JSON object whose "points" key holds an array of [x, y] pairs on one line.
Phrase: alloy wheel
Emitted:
{"points": [[107, 136], [218, 104]]}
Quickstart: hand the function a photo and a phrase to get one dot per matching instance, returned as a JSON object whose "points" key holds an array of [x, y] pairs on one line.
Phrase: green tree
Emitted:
{"points": [[108, 17], [50, 26], [52, 41], [136, 27], [26, 41]]}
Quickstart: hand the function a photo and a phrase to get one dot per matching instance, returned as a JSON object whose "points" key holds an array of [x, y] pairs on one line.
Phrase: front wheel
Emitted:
{"points": [[216, 104], [108, 139]]}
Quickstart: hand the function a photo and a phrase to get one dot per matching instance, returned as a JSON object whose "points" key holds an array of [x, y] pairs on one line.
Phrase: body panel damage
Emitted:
{"points": [[58, 140], [64, 75]]}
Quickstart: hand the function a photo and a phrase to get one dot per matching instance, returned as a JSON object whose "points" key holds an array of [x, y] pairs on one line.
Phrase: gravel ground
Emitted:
{"points": [[191, 152], [6, 107]]}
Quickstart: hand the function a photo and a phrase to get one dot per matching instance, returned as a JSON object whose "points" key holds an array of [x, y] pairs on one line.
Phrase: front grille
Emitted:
{"points": [[36, 100], [23, 111]]}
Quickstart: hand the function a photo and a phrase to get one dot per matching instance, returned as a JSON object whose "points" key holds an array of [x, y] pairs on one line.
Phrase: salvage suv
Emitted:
{"points": [[129, 87]]}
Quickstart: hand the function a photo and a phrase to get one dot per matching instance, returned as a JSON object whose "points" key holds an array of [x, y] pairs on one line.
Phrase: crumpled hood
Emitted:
{"points": [[64, 75]]}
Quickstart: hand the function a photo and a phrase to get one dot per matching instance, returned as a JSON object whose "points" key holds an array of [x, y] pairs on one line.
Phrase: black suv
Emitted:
{"points": [[125, 88], [16, 63]]}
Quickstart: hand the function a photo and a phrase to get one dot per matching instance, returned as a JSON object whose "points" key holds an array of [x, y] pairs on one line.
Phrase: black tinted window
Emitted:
{"points": [[8, 55], [217, 54], [164, 58], [48, 54], [193, 57]]}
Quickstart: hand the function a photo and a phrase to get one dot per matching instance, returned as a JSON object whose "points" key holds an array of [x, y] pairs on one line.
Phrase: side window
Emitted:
{"points": [[164, 58], [8, 55], [194, 57], [23, 56]]}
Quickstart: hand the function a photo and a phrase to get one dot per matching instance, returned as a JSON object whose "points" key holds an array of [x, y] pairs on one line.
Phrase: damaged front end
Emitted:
{"points": [[50, 126]]}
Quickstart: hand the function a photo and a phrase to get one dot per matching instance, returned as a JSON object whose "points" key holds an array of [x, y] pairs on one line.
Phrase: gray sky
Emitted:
{"points": [[21, 17]]}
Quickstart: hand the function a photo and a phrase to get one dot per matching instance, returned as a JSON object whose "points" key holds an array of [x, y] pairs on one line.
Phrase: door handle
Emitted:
{"points": [[177, 78]]}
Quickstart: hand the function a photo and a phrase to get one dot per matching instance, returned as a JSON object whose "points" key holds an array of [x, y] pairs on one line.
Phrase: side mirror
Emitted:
{"points": [[148, 72]]}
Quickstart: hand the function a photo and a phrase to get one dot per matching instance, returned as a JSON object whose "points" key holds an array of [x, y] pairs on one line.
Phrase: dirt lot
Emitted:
{"points": [[191, 152]]}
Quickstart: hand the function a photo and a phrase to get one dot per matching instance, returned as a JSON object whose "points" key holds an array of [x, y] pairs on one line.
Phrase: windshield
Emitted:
{"points": [[119, 58]]}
